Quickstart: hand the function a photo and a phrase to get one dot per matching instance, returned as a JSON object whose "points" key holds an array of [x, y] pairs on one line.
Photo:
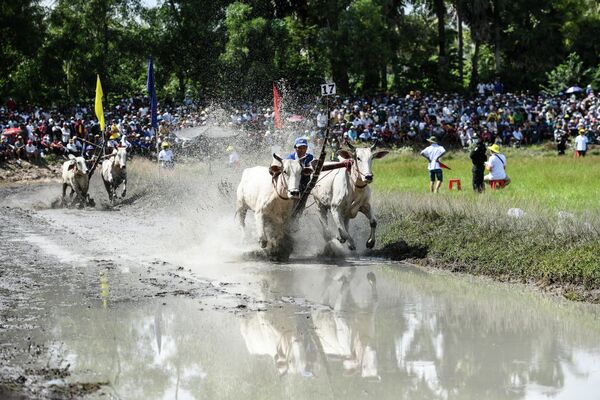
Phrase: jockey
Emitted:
{"points": [[301, 146], [113, 142]]}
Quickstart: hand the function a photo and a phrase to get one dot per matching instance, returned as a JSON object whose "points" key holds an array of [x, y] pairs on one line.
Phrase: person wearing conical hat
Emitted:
{"points": [[165, 157], [581, 142], [433, 153], [496, 165]]}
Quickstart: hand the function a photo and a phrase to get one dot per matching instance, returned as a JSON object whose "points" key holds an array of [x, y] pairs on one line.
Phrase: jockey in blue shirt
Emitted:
{"points": [[301, 146]]}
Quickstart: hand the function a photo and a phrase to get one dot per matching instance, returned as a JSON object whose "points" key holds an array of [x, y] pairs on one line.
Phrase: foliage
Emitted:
{"points": [[569, 73], [226, 49]]}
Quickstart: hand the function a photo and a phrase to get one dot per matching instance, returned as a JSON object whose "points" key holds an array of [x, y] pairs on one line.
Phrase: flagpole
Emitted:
{"points": [[153, 108]]}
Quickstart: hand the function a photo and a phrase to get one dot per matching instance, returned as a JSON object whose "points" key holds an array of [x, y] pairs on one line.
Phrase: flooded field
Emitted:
{"points": [[158, 298]]}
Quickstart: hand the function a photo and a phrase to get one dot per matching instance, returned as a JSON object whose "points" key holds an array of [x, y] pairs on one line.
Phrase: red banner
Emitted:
{"points": [[277, 107]]}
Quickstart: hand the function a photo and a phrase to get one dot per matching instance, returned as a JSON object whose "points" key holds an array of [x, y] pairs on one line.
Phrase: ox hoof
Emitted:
{"points": [[341, 240], [263, 244], [370, 244], [352, 247]]}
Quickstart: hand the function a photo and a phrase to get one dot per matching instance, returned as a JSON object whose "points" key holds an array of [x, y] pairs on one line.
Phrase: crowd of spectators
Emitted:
{"points": [[507, 119], [496, 117], [32, 133]]}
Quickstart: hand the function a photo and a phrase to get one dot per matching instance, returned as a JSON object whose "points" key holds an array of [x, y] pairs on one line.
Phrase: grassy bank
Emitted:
{"points": [[554, 242]]}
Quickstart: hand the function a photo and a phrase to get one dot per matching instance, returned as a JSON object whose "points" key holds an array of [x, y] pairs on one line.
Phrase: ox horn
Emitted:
{"points": [[374, 145], [275, 156], [350, 145]]}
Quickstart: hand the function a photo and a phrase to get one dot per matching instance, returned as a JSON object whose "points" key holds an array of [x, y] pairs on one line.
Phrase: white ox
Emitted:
{"points": [[75, 176], [270, 193], [345, 194], [114, 173]]}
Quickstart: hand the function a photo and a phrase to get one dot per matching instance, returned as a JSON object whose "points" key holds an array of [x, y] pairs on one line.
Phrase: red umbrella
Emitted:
{"points": [[295, 118], [11, 131]]}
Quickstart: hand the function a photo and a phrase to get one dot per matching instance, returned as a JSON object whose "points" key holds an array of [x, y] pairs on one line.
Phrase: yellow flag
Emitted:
{"points": [[98, 106]]}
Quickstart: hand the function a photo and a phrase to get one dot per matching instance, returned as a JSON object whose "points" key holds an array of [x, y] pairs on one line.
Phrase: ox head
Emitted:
{"points": [[363, 159], [78, 165], [120, 157], [291, 171]]}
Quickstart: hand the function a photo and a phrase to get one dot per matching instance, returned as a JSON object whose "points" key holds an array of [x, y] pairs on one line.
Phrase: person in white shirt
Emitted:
{"points": [[66, 134], [31, 151], [581, 142], [432, 153], [321, 121], [496, 164], [234, 158], [165, 157], [517, 137]]}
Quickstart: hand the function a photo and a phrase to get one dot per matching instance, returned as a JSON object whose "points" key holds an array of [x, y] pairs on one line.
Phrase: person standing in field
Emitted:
{"points": [[478, 158], [581, 142], [433, 153]]}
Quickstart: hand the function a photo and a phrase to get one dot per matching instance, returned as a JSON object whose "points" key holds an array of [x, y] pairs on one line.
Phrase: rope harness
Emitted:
{"points": [[274, 181], [361, 175]]}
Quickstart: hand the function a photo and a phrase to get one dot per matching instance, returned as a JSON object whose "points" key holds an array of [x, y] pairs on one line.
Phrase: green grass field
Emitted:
{"points": [[540, 179], [555, 243]]}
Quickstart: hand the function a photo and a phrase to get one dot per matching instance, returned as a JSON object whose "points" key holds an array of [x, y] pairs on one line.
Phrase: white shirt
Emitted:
{"points": [[518, 135], [66, 134], [165, 155], [496, 164], [321, 120], [581, 141], [234, 158], [433, 153]]}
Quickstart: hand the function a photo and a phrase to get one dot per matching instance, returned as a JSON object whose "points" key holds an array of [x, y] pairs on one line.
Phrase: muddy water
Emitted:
{"points": [[358, 329], [164, 303]]}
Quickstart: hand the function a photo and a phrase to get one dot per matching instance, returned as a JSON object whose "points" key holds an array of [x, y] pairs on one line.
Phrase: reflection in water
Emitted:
{"points": [[104, 289], [352, 331], [348, 332]]}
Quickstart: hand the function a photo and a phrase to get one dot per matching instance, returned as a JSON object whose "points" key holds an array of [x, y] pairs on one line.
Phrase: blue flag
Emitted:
{"points": [[152, 95]]}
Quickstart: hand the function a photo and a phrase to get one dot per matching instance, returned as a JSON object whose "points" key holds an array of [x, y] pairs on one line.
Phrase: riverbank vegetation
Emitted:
{"points": [[544, 228]]}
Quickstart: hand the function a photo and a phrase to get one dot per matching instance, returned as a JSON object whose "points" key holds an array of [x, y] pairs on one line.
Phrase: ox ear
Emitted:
{"points": [[345, 154], [71, 157], [381, 154], [274, 170], [307, 171]]}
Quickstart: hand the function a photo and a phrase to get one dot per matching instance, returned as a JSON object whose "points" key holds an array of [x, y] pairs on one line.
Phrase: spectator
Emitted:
{"points": [[56, 147], [433, 153], [19, 148], [6, 152], [478, 158], [581, 143], [496, 164], [32, 152]]}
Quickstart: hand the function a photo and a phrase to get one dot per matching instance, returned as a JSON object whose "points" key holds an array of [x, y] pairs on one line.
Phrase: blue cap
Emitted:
{"points": [[301, 142]]}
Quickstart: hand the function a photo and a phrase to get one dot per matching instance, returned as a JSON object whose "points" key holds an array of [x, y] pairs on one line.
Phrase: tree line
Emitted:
{"points": [[51, 51]]}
